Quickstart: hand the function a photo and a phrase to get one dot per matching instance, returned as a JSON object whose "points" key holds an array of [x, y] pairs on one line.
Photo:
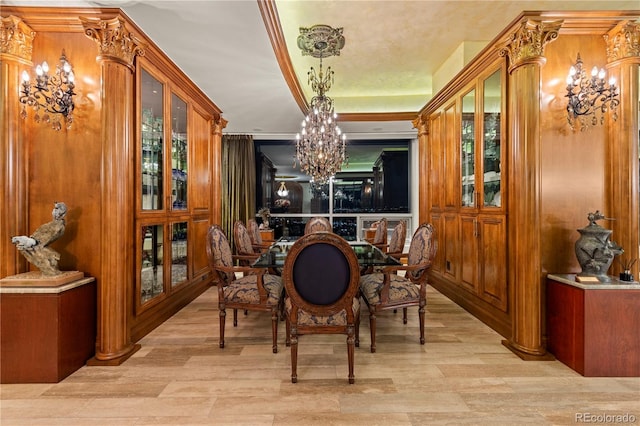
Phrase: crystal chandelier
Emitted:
{"points": [[321, 145], [590, 98], [51, 93]]}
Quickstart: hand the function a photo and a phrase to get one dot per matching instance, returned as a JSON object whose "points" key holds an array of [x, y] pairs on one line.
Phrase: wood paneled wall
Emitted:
{"points": [[82, 165], [556, 176]]}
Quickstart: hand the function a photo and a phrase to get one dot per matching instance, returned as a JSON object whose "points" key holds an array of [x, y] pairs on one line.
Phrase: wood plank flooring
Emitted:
{"points": [[462, 375]]}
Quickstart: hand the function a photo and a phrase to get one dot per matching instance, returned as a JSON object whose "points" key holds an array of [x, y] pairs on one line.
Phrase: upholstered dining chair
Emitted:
{"points": [[398, 237], [256, 238], [380, 238], [321, 276], [258, 291], [386, 290], [318, 223], [245, 252]]}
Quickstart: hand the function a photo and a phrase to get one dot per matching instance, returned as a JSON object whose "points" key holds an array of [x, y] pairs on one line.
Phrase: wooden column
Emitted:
{"points": [[525, 49], [117, 49], [217, 126], [16, 46], [422, 124], [622, 142]]}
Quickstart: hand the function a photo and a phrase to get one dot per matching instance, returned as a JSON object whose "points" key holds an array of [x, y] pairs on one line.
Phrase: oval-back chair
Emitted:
{"points": [[387, 290], [255, 291], [321, 276], [318, 223]]}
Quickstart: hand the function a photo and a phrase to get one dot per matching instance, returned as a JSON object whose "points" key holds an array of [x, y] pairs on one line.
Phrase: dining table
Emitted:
{"points": [[368, 255]]}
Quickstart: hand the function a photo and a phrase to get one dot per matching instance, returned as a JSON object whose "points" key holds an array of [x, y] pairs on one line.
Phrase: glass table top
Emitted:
{"points": [[367, 254]]}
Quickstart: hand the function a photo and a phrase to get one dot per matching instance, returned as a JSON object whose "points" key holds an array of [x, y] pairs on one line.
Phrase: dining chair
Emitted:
{"points": [[257, 291], [318, 223], [380, 238], [386, 290], [398, 237], [321, 276], [245, 252], [256, 239]]}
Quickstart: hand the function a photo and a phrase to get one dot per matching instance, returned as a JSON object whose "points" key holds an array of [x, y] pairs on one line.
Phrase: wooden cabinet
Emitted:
{"points": [[466, 205], [594, 328], [47, 332], [173, 196]]}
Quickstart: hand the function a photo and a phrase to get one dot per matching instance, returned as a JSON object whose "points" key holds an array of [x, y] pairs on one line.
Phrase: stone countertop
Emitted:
{"points": [[614, 284]]}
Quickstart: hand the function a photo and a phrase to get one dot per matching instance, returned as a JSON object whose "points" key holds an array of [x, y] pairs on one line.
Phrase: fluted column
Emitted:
{"points": [[525, 50], [117, 49], [217, 126], [623, 56], [16, 47], [422, 124]]}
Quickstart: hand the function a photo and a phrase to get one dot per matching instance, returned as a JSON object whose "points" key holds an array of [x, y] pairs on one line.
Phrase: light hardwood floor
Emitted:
{"points": [[462, 375]]}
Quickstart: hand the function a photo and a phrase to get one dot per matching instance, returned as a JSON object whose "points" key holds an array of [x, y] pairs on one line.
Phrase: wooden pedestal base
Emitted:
{"points": [[594, 328], [47, 329]]}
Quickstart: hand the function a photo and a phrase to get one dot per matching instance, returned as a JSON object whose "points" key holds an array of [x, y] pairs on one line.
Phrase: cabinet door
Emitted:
{"points": [[493, 260], [179, 153], [491, 159], [200, 171], [451, 166], [438, 262], [469, 252], [151, 146], [468, 150], [451, 246]]}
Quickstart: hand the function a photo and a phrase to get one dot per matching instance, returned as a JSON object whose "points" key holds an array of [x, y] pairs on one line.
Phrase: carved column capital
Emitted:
{"points": [[623, 41], [115, 41], [217, 125], [526, 44], [16, 38], [422, 125]]}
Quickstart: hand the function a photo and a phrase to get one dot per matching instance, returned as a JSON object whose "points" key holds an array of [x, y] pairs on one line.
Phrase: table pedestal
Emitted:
{"points": [[47, 330], [593, 328]]}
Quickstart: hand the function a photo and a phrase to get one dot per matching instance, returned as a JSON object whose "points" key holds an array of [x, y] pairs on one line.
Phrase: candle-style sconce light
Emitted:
{"points": [[53, 94], [590, 98]]}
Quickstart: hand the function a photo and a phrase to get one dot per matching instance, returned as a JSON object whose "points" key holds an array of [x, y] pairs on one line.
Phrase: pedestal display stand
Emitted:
{"points": [[47, 326], [593, 328]]}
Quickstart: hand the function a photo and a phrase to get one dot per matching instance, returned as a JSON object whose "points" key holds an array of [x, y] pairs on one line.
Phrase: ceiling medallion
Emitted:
{"points": [[320, 41], [321, 145]]}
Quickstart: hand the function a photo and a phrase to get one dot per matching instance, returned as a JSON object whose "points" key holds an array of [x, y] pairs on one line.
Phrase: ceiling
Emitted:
{"points": [[397, 54]]}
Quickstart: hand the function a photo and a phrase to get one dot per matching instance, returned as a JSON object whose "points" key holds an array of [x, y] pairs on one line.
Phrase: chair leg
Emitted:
{"points": [[235, 317], [351, 352], [287, 337], [294, 354], [372, 326], [421, 310], [223, 314], [274, 329], [404, 315]]}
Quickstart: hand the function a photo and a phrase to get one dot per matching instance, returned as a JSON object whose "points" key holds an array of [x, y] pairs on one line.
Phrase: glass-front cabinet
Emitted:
{"points": [[480, 154], [163, 222], [482, 224]]}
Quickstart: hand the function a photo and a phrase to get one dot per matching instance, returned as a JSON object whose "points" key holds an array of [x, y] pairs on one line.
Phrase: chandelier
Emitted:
{"points": [[321, 145], [51, 93], [282, 191], [590, 98]]}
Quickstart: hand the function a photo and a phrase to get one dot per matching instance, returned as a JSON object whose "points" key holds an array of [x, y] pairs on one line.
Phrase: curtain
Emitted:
{"points": [[238, 182]]}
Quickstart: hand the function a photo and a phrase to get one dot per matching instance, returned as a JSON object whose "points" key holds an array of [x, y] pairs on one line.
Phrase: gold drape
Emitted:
{"points": [[238, 181]]}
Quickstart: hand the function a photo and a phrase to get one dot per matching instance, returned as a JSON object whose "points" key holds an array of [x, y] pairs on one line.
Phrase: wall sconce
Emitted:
{"points": [[282, 191], [590, 98], [52, 93]]}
